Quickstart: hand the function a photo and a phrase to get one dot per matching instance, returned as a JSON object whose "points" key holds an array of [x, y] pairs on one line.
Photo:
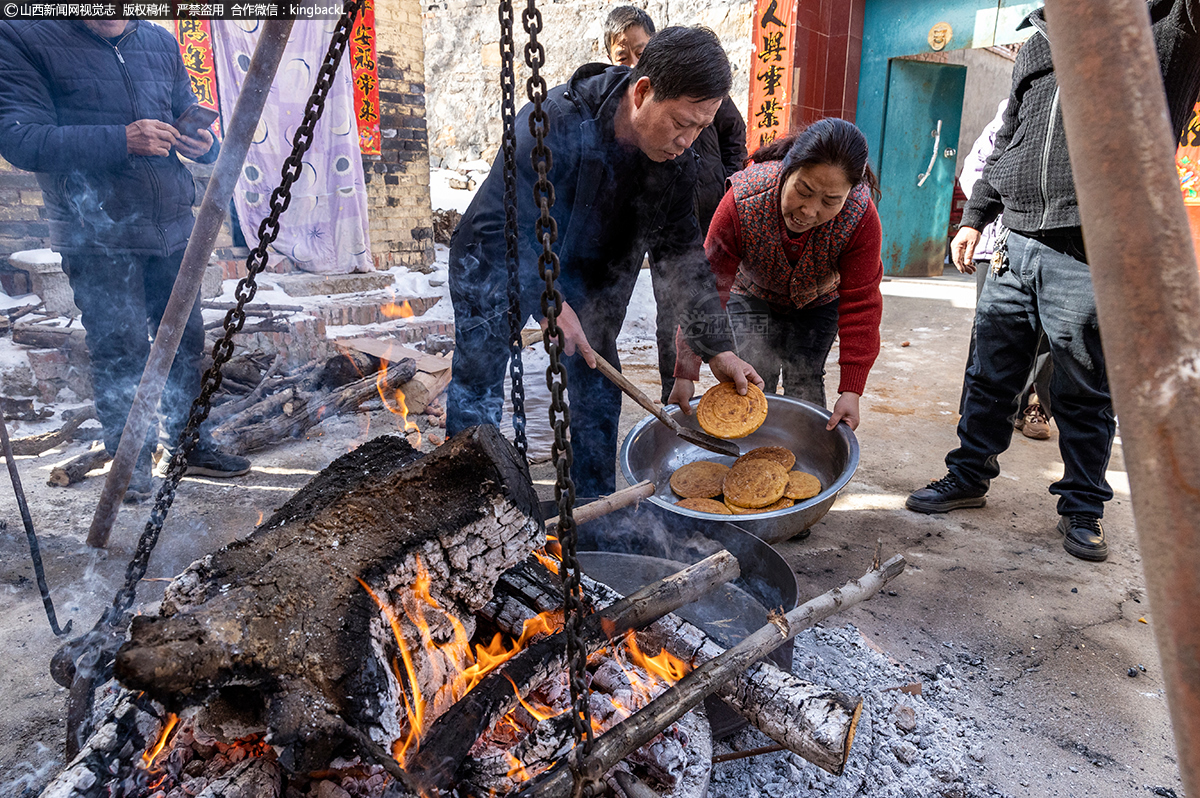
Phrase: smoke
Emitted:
{"points": [[28, 779]]}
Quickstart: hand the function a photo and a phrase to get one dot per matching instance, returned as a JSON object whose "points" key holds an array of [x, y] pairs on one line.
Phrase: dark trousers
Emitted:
{"points": [[122, 298], [666, 320], [1043, 367], [1046, 291], [476, 390], [795, 342]]}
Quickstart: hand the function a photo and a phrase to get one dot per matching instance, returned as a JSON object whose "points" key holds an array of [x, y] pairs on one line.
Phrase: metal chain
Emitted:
{"points": [[508, 148], [235, 318], [556, 381]]}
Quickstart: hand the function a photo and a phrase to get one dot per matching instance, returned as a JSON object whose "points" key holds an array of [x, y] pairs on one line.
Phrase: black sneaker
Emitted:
{"points": [[206, 460], [141, 484], [946, 494], [1083, 537]]}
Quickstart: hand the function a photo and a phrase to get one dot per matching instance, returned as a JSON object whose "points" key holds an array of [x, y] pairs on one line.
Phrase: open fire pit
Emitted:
{"points": [[395, 629]]}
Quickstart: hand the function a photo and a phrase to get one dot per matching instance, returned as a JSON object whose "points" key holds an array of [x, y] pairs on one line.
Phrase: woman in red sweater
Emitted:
{"points": [[795, 245]]}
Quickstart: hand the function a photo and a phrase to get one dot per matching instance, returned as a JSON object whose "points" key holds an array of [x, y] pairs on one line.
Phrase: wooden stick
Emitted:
{"points": [[76, 469], [32, 445], [451, 736], [634, 732], [610, 503], [222, 412]]}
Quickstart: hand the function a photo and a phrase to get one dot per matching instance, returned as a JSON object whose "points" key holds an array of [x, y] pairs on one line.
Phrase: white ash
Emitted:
{"points": [[905, 745]]}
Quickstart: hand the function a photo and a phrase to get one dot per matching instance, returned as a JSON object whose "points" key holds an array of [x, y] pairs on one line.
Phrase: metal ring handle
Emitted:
{"points": [[937, 140]]}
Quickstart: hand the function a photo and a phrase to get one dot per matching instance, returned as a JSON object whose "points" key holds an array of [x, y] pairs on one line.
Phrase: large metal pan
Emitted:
{"points": [[634, 546], [652, 452]]}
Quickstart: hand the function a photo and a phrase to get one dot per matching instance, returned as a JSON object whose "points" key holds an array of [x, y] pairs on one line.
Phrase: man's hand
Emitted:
{"points": [[962, 249], [151, 137], [194, 147], [573, 337], [728, 367], [681, 394], [845, 409]]}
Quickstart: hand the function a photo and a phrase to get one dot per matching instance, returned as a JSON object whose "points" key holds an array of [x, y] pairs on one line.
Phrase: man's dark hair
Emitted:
{"points": [[621, 19], [685, 62]]}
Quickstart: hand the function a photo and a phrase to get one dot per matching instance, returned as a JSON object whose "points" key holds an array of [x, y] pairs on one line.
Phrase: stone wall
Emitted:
{"points": [[398, 182], [22, 225], [462, 58]]}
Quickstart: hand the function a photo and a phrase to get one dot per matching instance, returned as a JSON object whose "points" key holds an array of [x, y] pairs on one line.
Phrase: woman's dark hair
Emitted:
{"points": [[685, 62], [830, 141], [621, 19]]}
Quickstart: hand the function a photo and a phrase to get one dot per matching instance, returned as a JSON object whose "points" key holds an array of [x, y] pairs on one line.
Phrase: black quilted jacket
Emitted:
{"points": [[65, 98], [1028, 175]]}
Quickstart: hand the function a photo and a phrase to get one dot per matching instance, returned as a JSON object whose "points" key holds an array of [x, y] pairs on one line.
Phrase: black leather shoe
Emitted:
{"points": [[141, 483], [946, 494], [206, 460], [1083, 537]]}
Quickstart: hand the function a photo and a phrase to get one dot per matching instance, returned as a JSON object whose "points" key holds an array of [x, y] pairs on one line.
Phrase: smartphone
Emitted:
{"points": [[195, 119]]}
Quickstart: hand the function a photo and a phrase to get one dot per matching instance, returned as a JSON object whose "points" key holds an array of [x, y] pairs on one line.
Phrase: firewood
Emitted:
{"points": [[75, 469], [243, 433], [43, 336], [32, 445], [619, 741], [423, 388], [284, 613], [445, 745], [224, 411], [607, 504]]}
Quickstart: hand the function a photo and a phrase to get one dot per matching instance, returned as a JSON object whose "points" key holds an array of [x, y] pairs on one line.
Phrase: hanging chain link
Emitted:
{"points": [[235, 318], [508, 148], [556, 381]]}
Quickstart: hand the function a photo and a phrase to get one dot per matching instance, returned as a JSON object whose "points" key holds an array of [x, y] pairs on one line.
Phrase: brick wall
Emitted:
{"points": [[22, 225], [398, 182]]}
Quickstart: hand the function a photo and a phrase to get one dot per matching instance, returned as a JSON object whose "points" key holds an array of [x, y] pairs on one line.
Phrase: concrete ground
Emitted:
{"points": [[1042, 642]]}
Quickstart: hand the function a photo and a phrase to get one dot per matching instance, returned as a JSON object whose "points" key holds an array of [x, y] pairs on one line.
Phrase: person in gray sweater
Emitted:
{"points": [[1040, 284]]}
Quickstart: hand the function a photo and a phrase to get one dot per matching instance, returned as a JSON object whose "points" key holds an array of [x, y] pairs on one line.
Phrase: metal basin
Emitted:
{"points": [[653, 452], [636, 546]]}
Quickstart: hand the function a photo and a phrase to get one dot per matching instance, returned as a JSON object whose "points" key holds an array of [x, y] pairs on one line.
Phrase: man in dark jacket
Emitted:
{"points": [[1042, 285], [89, 107], [720, 150], [624, 182]]}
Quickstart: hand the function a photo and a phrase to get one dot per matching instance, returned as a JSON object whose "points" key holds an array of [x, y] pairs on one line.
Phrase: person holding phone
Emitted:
{"points": [[101, 111]]}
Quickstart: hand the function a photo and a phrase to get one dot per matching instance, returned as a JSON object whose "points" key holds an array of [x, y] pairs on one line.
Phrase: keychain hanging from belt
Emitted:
{"points": [[1000, 252]]}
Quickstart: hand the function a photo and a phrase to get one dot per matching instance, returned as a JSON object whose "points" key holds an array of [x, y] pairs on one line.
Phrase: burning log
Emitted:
{"points": [[631, 734], [33, 445], [371, 527], [75, 469], [449, 739], [270, 421]]}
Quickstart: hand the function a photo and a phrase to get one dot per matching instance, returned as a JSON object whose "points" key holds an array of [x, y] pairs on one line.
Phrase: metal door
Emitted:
{"points": [[917, 160]]}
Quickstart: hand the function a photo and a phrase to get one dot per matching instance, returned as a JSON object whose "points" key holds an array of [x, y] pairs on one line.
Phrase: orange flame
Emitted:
{"points": [[163, 737], [663, 665], [470, 666], [517, 771], [393, 311], [401, 406]]}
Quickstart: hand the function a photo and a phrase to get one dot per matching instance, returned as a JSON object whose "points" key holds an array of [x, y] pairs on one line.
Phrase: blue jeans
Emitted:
{"points": [[1047, 290], [476, 392]]}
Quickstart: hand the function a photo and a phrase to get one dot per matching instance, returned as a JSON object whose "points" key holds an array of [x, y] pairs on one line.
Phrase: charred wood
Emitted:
{"points": [[32, 445], [43, 336], [448, 741], [631, 734], [283, 612]]}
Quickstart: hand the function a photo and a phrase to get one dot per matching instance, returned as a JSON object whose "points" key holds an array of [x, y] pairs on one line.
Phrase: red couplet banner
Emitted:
{"points": [[196, 47], [365, 70], [771, 67]]}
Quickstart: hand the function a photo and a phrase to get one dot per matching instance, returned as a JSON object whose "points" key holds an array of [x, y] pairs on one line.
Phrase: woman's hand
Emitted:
{"points": [[572, 336], [728, 367], [681, 394], [845, 409]]}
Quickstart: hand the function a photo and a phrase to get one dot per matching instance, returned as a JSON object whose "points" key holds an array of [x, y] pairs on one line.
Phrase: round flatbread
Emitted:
{"points": [[782, 504], [704, 506], [699, 480], [725, 413], [755, 483], [802, 485], [776, 454]]}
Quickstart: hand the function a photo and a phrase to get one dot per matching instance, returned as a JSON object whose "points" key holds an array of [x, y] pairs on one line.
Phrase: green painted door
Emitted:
{"points": [[916, 165]]}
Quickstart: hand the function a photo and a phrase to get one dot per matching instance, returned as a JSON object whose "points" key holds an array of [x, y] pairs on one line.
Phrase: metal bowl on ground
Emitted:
{"points": [[651, 451], [635, 546]]}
